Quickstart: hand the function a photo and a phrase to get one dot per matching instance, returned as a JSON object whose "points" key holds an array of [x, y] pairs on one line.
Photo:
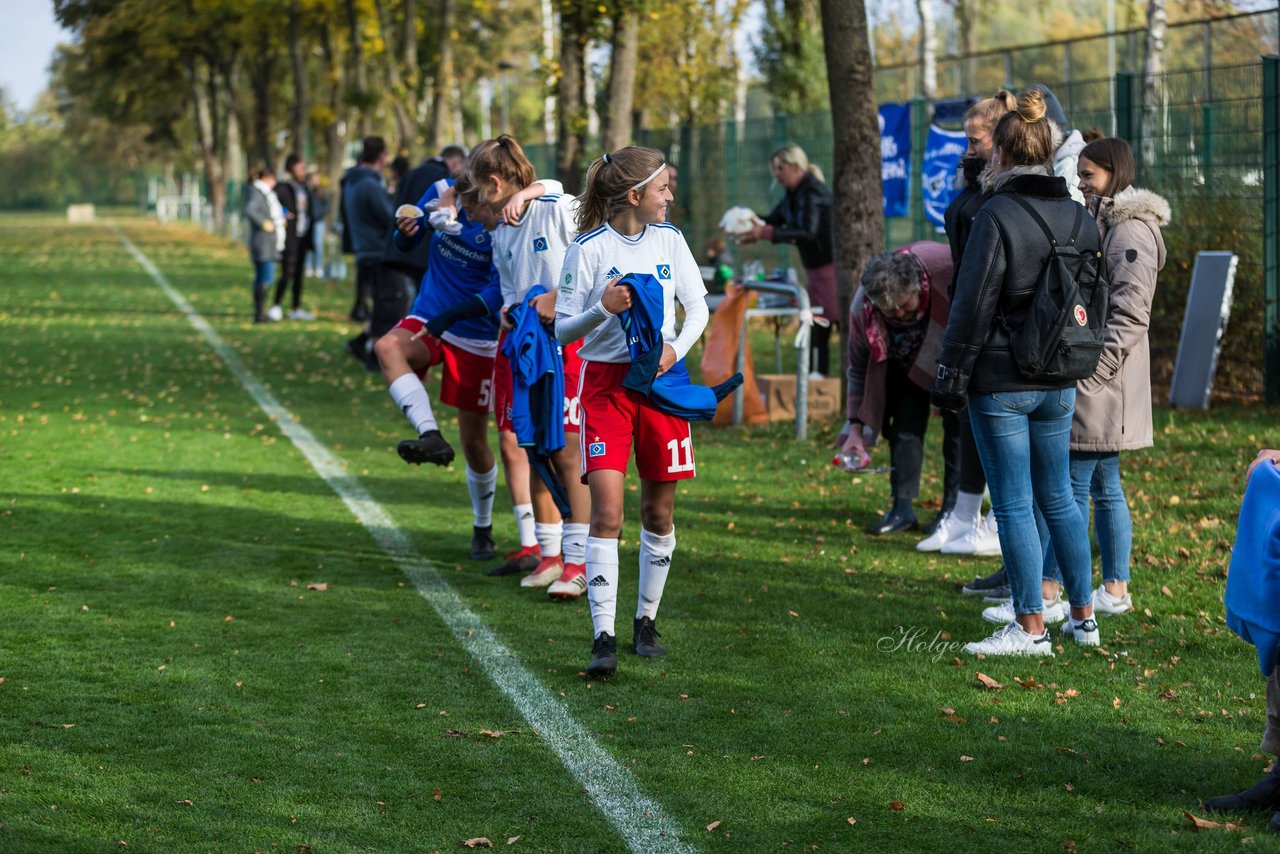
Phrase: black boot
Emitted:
{"points": [[1262, 795], [259, 300], [901, 518]]}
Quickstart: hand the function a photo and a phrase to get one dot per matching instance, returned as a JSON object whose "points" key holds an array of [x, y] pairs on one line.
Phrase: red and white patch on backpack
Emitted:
{"points": [[1081, 316]]}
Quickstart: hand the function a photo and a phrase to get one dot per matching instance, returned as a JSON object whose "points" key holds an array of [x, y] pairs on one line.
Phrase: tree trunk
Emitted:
{"points": [[357, 78], [1152, 90], [858, 211], [548, 59], [406, 129], [442, 105], [571, 120], [965, 13], [333, 136], [301, 101], [200, 81], [261, 76], [928, 50]]}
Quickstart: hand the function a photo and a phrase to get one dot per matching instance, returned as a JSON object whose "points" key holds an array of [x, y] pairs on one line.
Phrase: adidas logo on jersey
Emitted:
{"points": [[661, 561], [598, 581], [614, 273]]}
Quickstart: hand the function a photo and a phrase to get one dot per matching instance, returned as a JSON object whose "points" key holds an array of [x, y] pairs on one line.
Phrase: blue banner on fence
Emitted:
{"points": [[942, 153], [895, 157]]}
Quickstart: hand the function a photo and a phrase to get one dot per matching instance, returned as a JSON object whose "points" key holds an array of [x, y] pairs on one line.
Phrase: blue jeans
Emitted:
{"points": [[264, 273], [1097, 476], [317, 247], [1024, 441]]}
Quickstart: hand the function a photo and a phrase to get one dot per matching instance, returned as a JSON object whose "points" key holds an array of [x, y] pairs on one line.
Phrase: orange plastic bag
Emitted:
{"points": [[720, 356]]}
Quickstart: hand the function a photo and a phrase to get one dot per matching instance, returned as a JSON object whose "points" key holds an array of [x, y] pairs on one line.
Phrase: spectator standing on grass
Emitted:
{"points": [[1255, 555], [1022, 426], [963, 531], [320, 201], [897, 320], [293, 195], [803, 219], [1113, 407], [266, 236], [369, 214]]}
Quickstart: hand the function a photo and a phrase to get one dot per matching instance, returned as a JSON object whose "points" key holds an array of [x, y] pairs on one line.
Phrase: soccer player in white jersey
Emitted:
{"points": [[622, 230], [528, 250]]}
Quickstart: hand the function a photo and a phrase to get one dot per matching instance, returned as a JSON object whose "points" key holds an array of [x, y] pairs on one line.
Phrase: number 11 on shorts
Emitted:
{"points": [[680, 448]]}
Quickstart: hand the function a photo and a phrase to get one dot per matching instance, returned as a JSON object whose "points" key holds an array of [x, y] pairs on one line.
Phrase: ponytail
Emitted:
{"points": [[610, 180]]}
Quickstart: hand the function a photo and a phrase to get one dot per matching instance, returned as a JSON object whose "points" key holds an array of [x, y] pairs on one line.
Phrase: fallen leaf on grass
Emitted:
{"points": [[68, 726], [421, 706], [228, 619], [1198, 823], [966, 758], [989, 683], [713, 825], [436, 794], [1115, 702], [478, 842], [897, 805], [454, 733], [493, 733], [947, 712], [187, 802], [851, 820], [1029, 683], [511, 840], [318, 585], [1166, 591]]}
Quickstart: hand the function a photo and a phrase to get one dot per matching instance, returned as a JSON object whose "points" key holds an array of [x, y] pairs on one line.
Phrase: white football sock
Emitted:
{"points": [[602, 583], [525, 524], [655, 563], [575, 542], [411, 396], [482, 486], [968, 507], [548, 534]]}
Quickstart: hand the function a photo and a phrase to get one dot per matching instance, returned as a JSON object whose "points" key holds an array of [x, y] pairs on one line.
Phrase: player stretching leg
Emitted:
{"points": [[622, 229]]}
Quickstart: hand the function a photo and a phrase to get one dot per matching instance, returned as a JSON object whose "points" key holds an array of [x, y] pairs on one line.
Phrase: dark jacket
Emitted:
{"points": [[958, 219], [410, 189], [288, 196], [368, 214], [803, 218], [994, 287], [319, 204]]}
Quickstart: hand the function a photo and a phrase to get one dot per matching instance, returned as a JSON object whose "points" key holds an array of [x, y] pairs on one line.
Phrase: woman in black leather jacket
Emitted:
{"points": [[1022, 427], [803, 219]]}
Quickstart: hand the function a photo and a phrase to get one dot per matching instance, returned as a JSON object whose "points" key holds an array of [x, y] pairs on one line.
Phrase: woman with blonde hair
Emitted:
{"points": [[1022, 426], [803, 219]]}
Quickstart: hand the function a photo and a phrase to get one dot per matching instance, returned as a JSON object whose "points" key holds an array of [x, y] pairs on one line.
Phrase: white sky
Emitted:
{"points": [[27, 40]]}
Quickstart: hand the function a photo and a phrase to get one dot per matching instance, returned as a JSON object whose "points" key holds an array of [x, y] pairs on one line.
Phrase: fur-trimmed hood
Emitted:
{"points": [[989, 181], [1136, 203]]}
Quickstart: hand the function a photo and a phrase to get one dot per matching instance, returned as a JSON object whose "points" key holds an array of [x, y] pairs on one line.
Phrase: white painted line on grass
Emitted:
{"points": [[640, 820]]}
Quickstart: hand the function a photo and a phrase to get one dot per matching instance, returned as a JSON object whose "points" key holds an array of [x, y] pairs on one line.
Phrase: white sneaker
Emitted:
{"points": [[1012, 640], [1054, 612], [949, 529], [301, 314], [977, 539], [275, 313], [1105, 603], [1084, 632]]}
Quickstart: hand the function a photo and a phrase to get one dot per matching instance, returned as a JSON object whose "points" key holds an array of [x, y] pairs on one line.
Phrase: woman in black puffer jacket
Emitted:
{"points": [[1022, 427]]}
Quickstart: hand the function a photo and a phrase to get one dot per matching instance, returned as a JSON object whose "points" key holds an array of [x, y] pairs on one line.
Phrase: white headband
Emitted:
{"points": [[655, 174]]}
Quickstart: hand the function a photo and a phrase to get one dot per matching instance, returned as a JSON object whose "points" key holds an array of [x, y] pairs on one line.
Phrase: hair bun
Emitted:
{"points": [[1031, 105]]}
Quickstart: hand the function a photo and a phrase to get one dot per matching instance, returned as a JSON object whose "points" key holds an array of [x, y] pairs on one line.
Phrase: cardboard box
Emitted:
{"points": [[779, 394]]}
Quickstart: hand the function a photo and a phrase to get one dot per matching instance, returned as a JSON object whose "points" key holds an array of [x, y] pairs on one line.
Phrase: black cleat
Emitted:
{"points": [[523, 560], [430, 447], [1262, 795], [604, 656], [645, 639], [987, 585], [482, 545], [893, 522]]}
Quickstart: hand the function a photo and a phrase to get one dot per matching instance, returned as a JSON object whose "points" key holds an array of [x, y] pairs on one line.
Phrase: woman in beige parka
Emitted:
{"points": [[1113, 407]]}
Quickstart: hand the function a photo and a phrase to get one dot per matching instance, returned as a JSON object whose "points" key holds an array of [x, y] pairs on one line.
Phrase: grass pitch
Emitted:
{"points": [[172, 678]]}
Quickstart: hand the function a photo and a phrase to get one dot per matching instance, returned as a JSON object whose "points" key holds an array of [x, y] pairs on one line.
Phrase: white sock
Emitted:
{"points": [[411, 396], [602, 583], [548, 534], [482, 486], [525, 523], [655, 563], [575, 542], [968, 507]]}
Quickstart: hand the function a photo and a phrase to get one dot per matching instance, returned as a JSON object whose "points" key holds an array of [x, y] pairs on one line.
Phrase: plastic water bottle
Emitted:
{"points": [[851, 462]]}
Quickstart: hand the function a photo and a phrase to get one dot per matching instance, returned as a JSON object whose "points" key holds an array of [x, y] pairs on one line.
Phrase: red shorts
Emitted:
{"points": [[467, 378], [614, 419], [502, 387]]}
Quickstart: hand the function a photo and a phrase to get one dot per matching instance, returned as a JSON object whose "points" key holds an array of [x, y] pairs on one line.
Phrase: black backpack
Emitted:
{"points": [[1062, 336]]}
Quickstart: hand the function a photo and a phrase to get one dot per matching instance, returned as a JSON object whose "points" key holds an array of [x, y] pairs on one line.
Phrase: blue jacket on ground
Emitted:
{"points": [[673, 392], [1253, 581], [537, 391]]}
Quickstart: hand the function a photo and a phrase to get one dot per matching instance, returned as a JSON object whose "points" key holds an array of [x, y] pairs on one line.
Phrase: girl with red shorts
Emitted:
{"points": [[622, 229]]}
